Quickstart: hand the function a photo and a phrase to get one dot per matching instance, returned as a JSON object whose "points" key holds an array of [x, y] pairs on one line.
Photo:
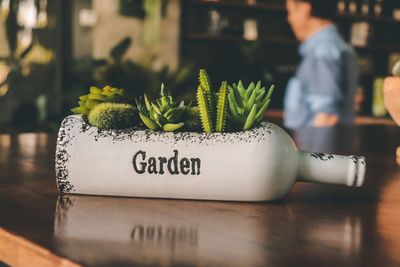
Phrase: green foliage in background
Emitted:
{"points": [[15, 58], [136, 78], [27, 88]]}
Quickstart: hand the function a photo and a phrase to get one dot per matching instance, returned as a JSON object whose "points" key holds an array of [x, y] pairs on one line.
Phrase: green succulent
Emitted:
{"points": [[248, 105], [212, 107], [163, 114], [97, 96], [193, 121], [113, 116]]}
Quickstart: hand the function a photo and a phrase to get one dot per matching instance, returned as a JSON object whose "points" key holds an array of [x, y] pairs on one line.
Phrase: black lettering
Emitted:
{"points": [[174, 165], [152, 166], [185, 166], [196, 162], [162, 160], [143, 164], [173, 162]]}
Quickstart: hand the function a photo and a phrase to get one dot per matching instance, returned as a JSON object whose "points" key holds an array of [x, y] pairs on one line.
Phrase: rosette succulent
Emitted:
{"points": [[212, 107], [113, 116], [163, 114], [248, 105], [97, 96]]}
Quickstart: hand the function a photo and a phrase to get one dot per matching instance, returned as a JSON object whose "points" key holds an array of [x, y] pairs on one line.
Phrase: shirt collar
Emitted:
{"points": [[323, 34]]}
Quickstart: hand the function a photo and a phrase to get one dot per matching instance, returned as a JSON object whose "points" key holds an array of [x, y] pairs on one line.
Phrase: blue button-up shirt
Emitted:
{"points": [[325, 81]]}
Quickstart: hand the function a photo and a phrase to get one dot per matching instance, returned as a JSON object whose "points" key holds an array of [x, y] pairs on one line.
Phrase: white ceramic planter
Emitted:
{"points": [[256, 165]]}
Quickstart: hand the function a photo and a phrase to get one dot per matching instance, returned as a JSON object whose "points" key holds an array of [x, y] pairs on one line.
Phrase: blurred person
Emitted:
{"points": [[322, 91]]}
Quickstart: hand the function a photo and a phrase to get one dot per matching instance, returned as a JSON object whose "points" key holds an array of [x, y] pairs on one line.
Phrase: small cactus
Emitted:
{"points": [[248, 105], [212, 108], [113, 116], [222, 106], [163, 114], [97, 96]]}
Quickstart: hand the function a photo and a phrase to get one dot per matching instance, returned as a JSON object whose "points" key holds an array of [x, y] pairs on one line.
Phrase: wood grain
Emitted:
{"points": [[17, 251], [315, 225]]}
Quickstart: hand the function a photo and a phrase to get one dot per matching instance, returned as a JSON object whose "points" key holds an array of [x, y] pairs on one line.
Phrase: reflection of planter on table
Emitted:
{"points": [[254, 165]]}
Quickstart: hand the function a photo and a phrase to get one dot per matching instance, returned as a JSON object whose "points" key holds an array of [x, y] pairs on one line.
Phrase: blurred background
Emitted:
{"points": [[52, 51]]}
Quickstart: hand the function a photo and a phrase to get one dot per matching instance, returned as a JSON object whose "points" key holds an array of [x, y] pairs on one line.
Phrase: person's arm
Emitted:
{"points": [[392, 97], [325, 94], [325, 120]]}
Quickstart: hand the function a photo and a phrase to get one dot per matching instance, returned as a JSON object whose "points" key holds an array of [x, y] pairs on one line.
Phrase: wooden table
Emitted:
{"points": [[315, 225]]}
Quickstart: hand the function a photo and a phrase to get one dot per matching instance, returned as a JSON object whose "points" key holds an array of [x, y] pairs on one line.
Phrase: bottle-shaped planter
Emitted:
{"points": [[255, 165]]}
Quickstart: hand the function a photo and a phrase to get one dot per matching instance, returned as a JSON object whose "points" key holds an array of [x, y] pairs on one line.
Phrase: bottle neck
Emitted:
{"points": [[331, 169]]}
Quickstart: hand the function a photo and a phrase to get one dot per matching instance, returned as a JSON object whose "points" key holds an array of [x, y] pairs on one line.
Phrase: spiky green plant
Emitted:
{"points": [[113, 116], [163, 114], [97, 96], [212, 107], [222, 106], [248, 105]]}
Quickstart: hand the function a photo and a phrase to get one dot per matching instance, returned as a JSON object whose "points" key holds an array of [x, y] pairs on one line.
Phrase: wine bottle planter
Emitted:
{"points": [[255, 165]]}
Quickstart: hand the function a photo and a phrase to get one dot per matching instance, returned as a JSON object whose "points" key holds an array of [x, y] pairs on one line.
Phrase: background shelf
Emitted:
{"points": [[242, 5], [275, 51]]}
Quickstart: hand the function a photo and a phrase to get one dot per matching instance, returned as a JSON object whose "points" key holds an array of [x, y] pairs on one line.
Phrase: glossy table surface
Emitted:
{"points": [[315, 225]]}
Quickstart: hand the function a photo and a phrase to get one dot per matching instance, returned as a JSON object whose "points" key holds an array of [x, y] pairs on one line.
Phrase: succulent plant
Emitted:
{"points": [[113, 116], [248, 105], [193, 121], [97, 96], [212, 107], [163, 114]]}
